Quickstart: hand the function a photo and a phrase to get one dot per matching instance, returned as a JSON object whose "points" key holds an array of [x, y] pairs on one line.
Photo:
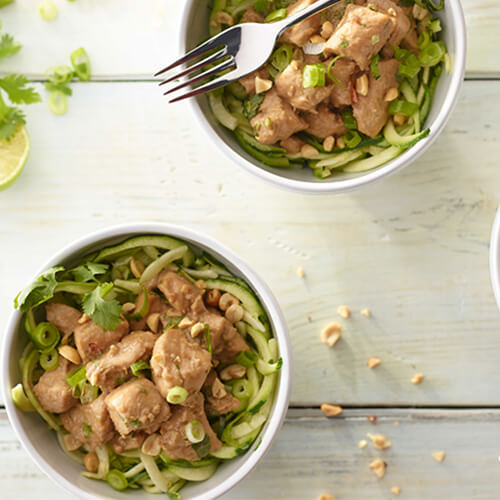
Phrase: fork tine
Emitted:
{"points": [[206, 74], [213, 58], [212, 85], [212, 43]]}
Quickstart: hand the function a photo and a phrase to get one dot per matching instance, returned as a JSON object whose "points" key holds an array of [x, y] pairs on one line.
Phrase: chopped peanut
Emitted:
{"points": [[329, 143], [391, 12], [379, 441], [372, 419], [340, 143], [153, 321], [197, 329], [227, 300], [417, 378], [331, 410], [70, 353], [262, 85], [362, 85], [317, 39], [396, 490], [439, 456], [366, 313], [399, 119], [212, 298], [233, 371], [391, 94], [185, 322], [331, 334], [128, 307], [85, 317], [300, 271], [137, 268], [234, 313], [91, 461], [344, 311], [363, 443], [373, 362], [152, 445], [327, 30], [378, 466], [308, 151], [325, 496]]}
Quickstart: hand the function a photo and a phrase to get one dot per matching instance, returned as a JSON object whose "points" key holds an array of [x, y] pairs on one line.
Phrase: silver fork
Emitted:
{"points": [[242, 48]]}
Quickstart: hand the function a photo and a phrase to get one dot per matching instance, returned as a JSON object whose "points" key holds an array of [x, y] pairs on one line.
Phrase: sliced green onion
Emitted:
{"points": [[313, 75], [403, 108], [48, 11], [117, 480], [49, 360], [276, 15], [241, 389], [424, 39], [144, 308], [410, 65], [331, 75], [208, 339], [138, 367], [348, 119], [81, 64], [88, 393], [220, 112], [45, 337], [76, 377], [58, 102], [435, 26], [247, 358], [432, 54], [20, 399], [29, 322], [177, 395], [59, 74], [282, 57], [374, 66], [194, 431], [352, 139], [433, 6]]}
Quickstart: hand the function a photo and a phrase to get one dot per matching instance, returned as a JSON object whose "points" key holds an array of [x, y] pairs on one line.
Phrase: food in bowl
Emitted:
{"points": [[151, 361], [346, 90]]}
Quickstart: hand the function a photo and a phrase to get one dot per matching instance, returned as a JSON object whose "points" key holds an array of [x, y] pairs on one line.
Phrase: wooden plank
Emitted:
{"points": [[132, 38], [313, 455], [413, 249]]}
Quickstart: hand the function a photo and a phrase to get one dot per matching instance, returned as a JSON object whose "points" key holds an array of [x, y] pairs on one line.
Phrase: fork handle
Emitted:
{"points": [[305, 13]]}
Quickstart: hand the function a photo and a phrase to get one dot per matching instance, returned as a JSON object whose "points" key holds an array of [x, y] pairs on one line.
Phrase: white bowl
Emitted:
{"points": [[194, 29], [41, 443], [495, 257]]}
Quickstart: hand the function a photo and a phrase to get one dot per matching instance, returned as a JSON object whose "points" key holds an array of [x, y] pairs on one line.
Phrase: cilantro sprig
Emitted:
{"points": [[105, 313], [13, 88]]}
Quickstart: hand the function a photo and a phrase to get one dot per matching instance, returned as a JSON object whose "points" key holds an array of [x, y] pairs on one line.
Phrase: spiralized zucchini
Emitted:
{"points": [[418, 77], [110, 271]]}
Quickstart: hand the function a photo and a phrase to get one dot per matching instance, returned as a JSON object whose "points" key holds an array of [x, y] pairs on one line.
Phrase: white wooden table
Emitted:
{"points": [[413, 249]]}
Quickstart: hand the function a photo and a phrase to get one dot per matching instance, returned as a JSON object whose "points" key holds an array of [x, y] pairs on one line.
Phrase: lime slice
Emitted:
{"points": [[13, 156]]}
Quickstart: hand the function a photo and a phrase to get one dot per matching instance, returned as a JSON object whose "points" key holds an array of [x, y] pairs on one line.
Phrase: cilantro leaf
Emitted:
{"points": [[41, 290], [18, 92], [10, 120], [88, 271], [105, 313], [8, 47]]}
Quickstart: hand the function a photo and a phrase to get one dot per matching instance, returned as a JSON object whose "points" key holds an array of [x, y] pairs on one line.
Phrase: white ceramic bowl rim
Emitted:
{"points": [[391, 167], [495, 257], [276, 317]]}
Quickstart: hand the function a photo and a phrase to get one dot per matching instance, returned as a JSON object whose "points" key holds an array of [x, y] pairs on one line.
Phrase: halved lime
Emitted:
{"points": [[13, 156]]}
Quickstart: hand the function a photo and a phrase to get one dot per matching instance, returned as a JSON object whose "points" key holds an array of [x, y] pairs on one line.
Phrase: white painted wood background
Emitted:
{"points": [[413, 249]]}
